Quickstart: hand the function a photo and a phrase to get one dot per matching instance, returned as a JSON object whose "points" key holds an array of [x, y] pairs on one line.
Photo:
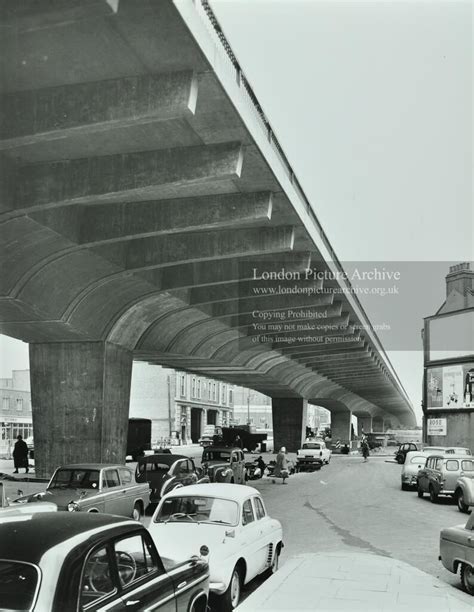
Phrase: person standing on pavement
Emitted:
{"points": [[20, 455], [281, 467]]}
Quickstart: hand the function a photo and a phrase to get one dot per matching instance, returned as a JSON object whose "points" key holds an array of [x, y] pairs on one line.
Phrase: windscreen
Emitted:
{"points": [[194, 509], [75, 479]]}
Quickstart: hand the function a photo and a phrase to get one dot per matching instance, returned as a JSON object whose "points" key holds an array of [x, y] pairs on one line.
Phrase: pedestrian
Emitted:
{"points": [[260, 469], [237, 441], [365, 449], [281, 467], [20, 455]]}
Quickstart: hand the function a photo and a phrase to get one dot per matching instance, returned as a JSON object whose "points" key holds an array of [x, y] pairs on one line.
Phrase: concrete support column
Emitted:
{"points": [[364, 425], [80, 394], [289, 422], [341, 428], [377, 424]]}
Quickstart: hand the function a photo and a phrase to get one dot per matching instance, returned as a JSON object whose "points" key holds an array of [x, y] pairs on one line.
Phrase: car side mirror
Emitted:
{"points": [[230, 533]]}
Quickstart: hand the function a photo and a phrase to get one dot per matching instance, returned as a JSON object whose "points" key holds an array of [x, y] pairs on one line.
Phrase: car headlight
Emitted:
{"points": [[73, 507]]}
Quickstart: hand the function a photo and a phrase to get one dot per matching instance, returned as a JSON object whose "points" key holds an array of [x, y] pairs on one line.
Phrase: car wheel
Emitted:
{"points": [[467, 578], [276, 562], [137, 511], [420, 491], [230, 599], [433, 495], [459, 496], [404, 487]]}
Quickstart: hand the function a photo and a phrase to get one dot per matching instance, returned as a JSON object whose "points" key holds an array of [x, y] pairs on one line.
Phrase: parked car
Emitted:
{"points": [[402, 451], [312, 455], [441, 473], [8, 509], [95, 487], [93, 562], [464, 491], [414, 462], [224, 464], [457, 553], [458, 451], [243, 540], [164, 472]]}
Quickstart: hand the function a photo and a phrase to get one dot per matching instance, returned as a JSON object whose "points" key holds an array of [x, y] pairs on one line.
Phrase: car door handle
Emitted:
{"points": [[132, 602], [181, 585]]}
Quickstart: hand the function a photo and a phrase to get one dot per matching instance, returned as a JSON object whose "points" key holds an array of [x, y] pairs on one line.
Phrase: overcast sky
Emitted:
{"points": [[372, 102]]}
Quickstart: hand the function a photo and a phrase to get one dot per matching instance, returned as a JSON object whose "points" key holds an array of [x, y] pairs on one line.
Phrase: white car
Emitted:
{"points": [[414, 462], [312, 455], [231, 521]]}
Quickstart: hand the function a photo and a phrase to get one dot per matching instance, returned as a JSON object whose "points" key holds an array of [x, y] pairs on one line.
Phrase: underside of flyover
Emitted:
{"points": [[138, 196]]}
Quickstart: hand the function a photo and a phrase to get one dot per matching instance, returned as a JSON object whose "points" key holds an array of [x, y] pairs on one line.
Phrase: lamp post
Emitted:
{"points": [[248, 406]]}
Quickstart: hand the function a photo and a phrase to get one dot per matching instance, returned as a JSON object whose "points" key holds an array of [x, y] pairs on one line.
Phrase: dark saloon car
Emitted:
{"points": [[94, 487], [165, 472], [60, 562], [403, 449]]}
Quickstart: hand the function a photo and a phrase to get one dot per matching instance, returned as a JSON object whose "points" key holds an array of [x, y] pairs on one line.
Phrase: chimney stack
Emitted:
{"points": [[461, 278]]}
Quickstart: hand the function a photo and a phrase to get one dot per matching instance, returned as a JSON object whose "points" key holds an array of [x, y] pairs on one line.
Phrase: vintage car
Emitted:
{"points": [[402, 451], [456, 552], [243, 540], [441, 473], [8, 509], [95, 487], [89, 562], [464, 491], [224, 464], [414, 462], [312, 455], [164, 472]]}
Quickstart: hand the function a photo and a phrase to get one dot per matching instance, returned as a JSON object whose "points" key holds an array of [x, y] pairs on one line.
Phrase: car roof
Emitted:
{"points": [[222, 448], [234, 492], [167, 458], [453, 456], [91, 466], [29, 536]]}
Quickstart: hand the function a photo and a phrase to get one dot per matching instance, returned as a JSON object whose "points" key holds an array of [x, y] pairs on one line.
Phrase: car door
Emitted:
{"points": [[450, 474], [130, 490], [143, 581], [98, 589], [250, 540], [423, 474], [265, 533], [115, 500]]}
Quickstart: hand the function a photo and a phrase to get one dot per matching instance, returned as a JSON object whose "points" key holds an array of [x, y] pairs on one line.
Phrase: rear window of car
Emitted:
{"points": [[452, 465], [18, 585], [418, 459], [312, 446]]}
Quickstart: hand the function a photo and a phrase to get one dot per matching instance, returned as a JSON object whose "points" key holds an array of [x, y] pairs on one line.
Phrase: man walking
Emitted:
{"points": [[20, 455]]}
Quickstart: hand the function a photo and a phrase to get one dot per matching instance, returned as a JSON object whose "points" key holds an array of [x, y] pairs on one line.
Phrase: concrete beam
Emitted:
{"points": [[37, 116], [160, 174]]}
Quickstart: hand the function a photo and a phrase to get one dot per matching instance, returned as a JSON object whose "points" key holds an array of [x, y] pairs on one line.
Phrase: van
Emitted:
{"points": [[440, 474]]}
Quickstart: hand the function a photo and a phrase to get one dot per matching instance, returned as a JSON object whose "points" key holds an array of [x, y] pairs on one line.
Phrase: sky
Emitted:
{"points": [[372, 102]]}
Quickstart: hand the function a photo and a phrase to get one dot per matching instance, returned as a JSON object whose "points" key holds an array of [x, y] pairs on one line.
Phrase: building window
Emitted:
{"points": [[199, 389], [19, 404], [231, 396], [224, 394], [6, 403], [182, 385], [193, 387], [262, 420], [214, 392]]}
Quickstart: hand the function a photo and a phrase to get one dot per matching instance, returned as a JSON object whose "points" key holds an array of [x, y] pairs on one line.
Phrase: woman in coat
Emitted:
{"points": [[20, 454], [281, 467]]}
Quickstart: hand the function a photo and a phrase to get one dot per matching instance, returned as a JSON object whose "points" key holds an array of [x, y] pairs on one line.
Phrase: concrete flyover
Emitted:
{"points": [[142, 185]]}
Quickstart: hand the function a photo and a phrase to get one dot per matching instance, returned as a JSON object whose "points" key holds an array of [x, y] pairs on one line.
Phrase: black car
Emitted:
{"points": [[165, 471], [56, 562], [403, 449]]}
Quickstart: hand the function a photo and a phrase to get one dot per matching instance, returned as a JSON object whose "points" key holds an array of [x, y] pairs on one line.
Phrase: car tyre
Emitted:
{"points": [[404, 487], [230, 599], [420, 491], [459, 496], [433, 495], [467, 578], [137, 511], [275, 562]]}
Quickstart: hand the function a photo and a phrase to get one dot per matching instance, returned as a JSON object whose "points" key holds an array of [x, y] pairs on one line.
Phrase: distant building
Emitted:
{"points": [[15, 410], [448, 381], [179, 404], [254, 408]]}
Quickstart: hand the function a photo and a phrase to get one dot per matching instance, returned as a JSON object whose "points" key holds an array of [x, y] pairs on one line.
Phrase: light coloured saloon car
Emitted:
{"points": [[95, 487], [457, 552], [440, 474], [231, 521]]}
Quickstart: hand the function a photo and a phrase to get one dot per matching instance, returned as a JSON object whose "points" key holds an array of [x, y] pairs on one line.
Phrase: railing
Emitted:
{"points": [[215, 29]]}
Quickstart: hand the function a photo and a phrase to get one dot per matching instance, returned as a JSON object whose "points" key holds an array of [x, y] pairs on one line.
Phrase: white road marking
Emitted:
{"points": [[322, 482]]}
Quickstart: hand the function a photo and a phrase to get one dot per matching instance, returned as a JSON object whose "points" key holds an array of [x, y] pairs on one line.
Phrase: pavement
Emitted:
{"points": [[351, 582]]}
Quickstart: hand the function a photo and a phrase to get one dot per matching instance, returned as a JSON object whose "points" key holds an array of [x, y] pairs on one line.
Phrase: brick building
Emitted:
{"points": [[15, 410]]}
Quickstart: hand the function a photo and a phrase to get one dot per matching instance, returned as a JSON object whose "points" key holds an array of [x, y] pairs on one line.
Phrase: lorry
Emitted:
{"points": [[138, 437], [247, 433], [312, 455]]}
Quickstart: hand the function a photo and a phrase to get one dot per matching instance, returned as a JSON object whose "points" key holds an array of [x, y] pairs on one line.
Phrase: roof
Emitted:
{"points": [[166, 458], [29, 536], [91, 466], [223, 490]]}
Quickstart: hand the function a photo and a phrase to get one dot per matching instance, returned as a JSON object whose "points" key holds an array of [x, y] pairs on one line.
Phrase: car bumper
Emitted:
{"points": [[410, 481]]}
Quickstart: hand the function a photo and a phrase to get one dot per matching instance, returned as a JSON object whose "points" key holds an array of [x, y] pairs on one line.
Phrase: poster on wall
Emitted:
{"points": [[436, 427], [450, 387]]}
